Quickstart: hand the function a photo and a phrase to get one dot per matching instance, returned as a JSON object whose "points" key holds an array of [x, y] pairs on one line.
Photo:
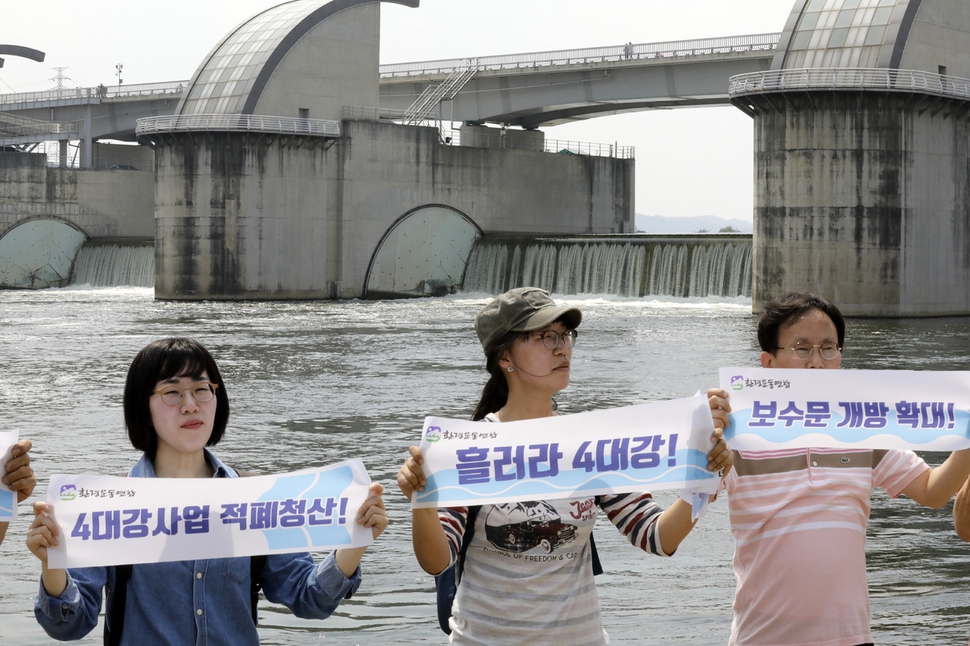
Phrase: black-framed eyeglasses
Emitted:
{"points": [[550, 338], [827, 351], [202, 392]]}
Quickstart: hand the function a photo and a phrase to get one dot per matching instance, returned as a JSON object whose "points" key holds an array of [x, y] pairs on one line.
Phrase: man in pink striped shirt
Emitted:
{"points": [[799, 515]]}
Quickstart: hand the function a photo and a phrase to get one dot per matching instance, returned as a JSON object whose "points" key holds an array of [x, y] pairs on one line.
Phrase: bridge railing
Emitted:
{"points": [[237, 123], [564, 147], [888, 80], [630, 51], [364, 113], [542, 145], [452, 136], [98, 92]]}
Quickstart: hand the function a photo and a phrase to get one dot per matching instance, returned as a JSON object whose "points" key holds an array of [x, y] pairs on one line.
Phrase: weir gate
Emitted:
{"points": [[638, 265]]}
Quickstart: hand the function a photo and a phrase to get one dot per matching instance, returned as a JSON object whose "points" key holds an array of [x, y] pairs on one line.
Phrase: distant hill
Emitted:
{"points": [[665, 224]]}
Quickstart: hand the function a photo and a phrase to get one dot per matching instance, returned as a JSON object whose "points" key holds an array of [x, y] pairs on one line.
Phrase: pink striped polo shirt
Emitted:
{"points": [[799, 520]]}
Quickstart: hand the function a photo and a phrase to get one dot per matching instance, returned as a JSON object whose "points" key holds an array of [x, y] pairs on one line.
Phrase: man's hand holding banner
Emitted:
{"points": [[871, 409], [654, 446], [106, 520]]}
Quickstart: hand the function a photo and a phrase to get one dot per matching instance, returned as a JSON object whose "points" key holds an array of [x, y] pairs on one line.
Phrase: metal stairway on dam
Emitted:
{"points": [[447, 90]]}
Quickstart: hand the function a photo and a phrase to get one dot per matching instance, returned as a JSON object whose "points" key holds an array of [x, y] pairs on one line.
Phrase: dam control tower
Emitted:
{"points": [[279, 177], [862, 157]]}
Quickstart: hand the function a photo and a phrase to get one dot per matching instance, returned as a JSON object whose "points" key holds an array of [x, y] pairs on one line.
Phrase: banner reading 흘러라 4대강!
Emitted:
{"points": [[647, 447], [105, 520], [774, 408], [8, 499]]}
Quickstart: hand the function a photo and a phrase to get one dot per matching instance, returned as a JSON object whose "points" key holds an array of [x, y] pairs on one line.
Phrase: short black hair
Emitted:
{"points": [[784, 310], [160, 360]]}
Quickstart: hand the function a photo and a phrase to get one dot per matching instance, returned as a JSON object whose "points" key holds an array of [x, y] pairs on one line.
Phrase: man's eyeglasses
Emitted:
{"points": [[202, 392], [550, 338], [827, 351]]}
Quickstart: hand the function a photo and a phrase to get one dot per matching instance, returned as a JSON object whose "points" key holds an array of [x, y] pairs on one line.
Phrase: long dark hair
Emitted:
{"points": [[496, 391]]}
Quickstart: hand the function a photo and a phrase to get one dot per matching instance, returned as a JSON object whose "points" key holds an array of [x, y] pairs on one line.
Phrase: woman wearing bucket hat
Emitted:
{"points": [[527, 567]]}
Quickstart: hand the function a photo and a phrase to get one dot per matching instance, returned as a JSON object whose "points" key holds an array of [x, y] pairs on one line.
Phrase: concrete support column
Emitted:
{"points": [[62, 153], [87, 141]]}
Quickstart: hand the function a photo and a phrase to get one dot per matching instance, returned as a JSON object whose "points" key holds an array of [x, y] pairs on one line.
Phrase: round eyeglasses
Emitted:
{"points": [[827, 351], [202, 392], [550, 338]]}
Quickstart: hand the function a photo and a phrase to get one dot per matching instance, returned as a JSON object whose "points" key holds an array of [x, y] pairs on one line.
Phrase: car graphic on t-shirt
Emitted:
{"points": [[522, 526]]}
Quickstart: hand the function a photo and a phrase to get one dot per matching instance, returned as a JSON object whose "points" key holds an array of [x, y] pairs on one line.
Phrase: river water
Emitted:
{"points": [[312, 383]]}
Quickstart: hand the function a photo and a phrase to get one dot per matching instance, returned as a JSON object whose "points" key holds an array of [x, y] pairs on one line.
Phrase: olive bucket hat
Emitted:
{"points": [[522, 310]]}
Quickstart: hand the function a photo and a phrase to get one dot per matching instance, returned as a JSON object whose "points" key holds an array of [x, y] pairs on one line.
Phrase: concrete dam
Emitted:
{"points": [[276, 177]]}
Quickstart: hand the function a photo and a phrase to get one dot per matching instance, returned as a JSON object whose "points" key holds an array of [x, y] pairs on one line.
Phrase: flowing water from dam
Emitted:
{"points": [[113, 264], [693, 265], [635, 265], [312, 383]]}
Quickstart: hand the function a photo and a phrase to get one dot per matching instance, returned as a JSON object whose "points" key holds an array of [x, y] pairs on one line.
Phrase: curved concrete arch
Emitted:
{"points": [[295, 34], [423, 253], [39, 252], [44, 217], [888, 48], [903, 34], [269, 53], [22, 52]]}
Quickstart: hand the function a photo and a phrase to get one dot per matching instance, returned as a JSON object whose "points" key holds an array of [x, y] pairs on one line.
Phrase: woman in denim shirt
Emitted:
{"points": [[175, 406]]}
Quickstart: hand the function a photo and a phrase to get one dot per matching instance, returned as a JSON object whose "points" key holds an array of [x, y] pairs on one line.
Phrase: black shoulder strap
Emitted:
{"points": [[597, 568], [117, 598], [466, 539], [256, 564]]}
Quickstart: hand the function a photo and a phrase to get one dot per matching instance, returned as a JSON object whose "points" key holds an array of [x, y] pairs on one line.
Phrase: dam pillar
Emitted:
{"points": [[863, 197], [242, 216]]}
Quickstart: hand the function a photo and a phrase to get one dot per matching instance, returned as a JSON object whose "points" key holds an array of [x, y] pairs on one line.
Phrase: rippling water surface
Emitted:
{"points": [[312, 383]]}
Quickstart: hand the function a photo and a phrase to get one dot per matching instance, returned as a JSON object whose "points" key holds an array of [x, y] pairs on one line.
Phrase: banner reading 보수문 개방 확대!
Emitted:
{"points": [[105, 520], [872, 409], [646, 447], [8, 499]]}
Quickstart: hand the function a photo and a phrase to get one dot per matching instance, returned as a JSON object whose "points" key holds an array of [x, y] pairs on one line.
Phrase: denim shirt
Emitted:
{"points": [[203, 602]]}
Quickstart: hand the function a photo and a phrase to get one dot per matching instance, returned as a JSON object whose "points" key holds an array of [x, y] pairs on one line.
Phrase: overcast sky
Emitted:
{"points": [[689, 161]]}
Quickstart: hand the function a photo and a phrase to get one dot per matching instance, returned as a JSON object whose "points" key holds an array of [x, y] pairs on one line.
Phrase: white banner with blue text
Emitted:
{"points": [[646, 447], [871, 409], [8, 499], [107, 520]]}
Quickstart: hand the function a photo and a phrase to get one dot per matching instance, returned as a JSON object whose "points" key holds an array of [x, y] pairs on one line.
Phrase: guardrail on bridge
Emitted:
{"points": [[172, 88], [630, 51]]}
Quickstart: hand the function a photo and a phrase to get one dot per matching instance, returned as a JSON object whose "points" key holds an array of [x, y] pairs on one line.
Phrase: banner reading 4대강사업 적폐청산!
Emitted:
{"points": [[774, 408], [107, 520], [662, 445], [8, 499]]}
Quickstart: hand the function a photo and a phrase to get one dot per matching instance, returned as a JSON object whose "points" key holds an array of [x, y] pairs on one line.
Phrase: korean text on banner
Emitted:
{"points": [[106, 520], [8, 499], [872, 409], [662, 445]]}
